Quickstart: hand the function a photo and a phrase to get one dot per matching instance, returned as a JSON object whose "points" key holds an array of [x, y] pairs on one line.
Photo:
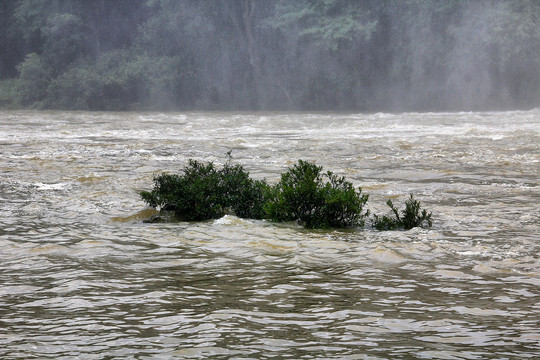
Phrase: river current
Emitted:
{"points": [[82, 276]]}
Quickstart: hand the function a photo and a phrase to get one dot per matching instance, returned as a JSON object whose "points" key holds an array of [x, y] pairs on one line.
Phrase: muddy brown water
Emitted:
{"points": [[81, 276]]}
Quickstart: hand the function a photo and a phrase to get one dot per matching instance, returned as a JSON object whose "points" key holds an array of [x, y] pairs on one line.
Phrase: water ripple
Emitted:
{"points": [[82, 277]]}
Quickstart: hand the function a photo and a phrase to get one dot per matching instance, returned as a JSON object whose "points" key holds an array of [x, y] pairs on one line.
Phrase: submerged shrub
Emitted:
{"points": [[302, 195], [243, 195], [410, 217], [203, 192]]}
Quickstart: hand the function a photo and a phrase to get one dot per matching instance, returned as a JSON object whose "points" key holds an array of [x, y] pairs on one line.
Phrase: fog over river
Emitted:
{"points": [[81, 276]]}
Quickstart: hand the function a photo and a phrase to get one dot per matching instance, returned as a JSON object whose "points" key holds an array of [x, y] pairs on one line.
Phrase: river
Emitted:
{"points": [[82, 276]]}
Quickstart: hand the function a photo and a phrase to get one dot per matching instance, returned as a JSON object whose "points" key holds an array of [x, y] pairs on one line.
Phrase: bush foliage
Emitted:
{"points": [[204, 192], [304, 194], [410, 217]]}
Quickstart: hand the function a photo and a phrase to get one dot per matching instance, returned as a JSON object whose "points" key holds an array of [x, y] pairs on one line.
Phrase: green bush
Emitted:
{"points": [[301, 195], [304, 194], [243, 195], [204, 192], [410, 217]]}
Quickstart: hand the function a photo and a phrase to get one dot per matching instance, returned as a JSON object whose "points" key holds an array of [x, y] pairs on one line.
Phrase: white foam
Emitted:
{"points": [[44, 187]]}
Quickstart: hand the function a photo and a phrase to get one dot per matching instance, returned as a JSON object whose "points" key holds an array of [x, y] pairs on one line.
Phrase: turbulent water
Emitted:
{"points": [[81, 276]]}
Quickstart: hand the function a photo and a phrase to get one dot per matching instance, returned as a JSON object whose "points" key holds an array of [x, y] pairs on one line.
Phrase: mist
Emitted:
{"points": [[313, 55]]}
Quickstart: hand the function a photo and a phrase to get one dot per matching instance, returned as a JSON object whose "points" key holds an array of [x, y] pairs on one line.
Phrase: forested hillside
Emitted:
{"points": [[363, 55]]}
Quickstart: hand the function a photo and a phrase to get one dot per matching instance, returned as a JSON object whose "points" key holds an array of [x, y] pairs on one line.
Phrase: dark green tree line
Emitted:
{"points": [[368, 55]]}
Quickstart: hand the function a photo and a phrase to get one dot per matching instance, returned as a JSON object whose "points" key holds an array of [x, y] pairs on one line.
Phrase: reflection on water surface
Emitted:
{"points": [[82, 277]]}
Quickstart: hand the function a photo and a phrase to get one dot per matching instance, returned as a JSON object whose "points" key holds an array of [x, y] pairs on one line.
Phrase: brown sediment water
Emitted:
{"points": [[82, 276]]}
